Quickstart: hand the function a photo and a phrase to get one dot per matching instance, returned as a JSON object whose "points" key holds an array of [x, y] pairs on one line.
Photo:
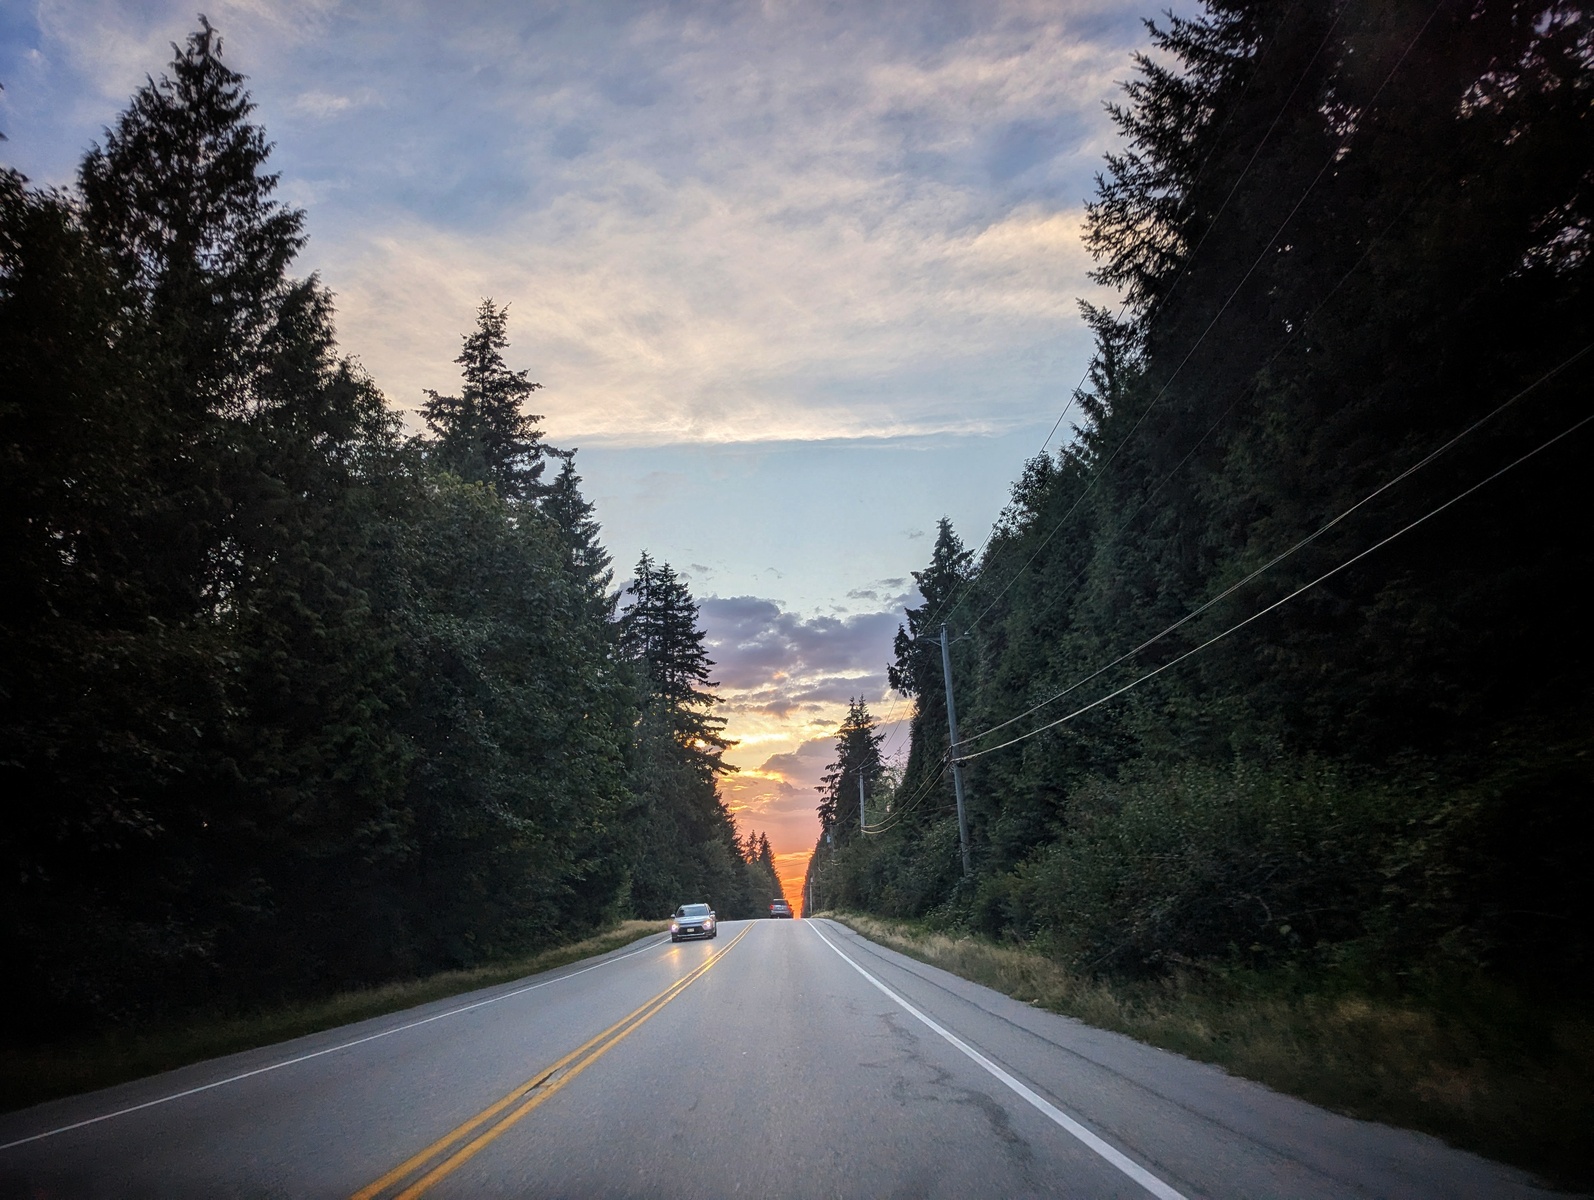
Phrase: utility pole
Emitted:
{"points": [[957, 763], [860, 803]]}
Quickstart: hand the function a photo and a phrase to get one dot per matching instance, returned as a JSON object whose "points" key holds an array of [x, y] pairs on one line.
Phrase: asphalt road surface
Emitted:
{"points": [[783, 1058]]}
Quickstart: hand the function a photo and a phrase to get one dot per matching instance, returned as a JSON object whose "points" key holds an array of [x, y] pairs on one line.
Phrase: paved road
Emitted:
{"points": [[784, 1058]]}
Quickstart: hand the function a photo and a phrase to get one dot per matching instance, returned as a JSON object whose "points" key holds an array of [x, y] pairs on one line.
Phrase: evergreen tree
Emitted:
{"points": [[1179, 130], [659, 632], [219, 619], [518, 809], [281, 708], [1345, 236], [857, 759], [688, 844], [917, 669], [585, 558], [484, 434]]}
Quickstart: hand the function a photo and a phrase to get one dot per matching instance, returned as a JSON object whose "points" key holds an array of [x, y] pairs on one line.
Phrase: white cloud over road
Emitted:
{"points": [[728, 223]]}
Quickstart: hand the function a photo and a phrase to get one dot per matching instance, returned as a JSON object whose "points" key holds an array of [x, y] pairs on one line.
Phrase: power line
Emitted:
{"points": [[1573, 428], [900, 812], [960, 588], [1303, 542], [1250, 162]]}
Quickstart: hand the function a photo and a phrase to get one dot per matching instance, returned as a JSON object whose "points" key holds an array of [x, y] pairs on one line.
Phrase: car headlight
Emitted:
{"points": [[709, 924], [674, 928]]}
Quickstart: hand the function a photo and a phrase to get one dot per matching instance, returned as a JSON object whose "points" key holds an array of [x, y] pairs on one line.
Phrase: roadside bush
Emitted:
{"points": [[1192, 863]]}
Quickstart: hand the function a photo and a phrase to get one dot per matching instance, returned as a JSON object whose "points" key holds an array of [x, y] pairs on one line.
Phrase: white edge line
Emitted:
{"points": [[205, 1087], [1125, 1164]]}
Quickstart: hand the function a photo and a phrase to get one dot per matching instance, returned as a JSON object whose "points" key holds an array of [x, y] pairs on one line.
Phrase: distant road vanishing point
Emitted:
{"points": [[785, 1058]]}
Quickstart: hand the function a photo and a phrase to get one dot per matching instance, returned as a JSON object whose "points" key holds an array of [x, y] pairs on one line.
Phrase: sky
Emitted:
{"points": [[798, 279]]}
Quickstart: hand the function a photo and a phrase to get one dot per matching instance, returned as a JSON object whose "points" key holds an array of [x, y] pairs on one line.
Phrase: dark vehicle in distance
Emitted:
{"points": [[693, 921], [779, 908]]}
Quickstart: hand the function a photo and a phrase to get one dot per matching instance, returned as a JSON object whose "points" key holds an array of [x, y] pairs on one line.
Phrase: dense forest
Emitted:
{"points": [[1282, 661], [291, 698]]}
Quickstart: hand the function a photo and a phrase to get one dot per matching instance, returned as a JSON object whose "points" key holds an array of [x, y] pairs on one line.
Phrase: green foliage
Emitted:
{"points": [[517, 803], [857, 762], [585, 558], [688, 846], [1345, 238], [917, 647], [1166, 867], [287, 703], [483, 434]]}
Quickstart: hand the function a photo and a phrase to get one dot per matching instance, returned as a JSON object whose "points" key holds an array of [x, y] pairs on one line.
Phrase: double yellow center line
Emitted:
{"points": [[498, 1116]]}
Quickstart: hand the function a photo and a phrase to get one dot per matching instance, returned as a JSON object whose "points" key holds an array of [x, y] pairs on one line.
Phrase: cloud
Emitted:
{"points": [[717, 224], [806, 764], [785, 681], [767, 795], [323, 105], [756, 645], [780, 797], [116, 45], [888, 594], [738, 224]]}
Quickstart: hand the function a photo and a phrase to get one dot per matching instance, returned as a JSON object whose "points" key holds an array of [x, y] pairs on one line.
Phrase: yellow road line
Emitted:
{"points": [[538, 1087]]}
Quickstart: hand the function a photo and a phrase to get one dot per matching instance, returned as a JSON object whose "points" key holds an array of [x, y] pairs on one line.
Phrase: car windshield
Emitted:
{"points": [[693, 910]]}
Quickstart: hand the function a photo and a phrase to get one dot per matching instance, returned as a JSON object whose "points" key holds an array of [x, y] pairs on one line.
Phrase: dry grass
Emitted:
{"points": [[1491, 1074], [30, 1074]]}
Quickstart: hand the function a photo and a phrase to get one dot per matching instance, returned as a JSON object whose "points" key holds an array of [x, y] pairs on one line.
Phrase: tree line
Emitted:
{"points": [[1283, 659], [290, 699]]}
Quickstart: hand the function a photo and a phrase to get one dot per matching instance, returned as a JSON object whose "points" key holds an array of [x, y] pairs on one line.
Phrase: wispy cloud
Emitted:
{"points": [[726, 223], [323, 105]]}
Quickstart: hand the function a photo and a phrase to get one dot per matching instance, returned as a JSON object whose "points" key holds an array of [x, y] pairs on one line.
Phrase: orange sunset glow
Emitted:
{"points": [[782, 749]]}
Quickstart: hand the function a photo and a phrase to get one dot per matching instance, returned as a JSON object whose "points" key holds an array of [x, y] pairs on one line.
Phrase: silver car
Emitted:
{"points": [[693, 921]]}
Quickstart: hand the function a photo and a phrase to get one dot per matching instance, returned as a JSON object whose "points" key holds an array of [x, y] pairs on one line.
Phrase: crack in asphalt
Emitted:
{"points": [[864, 946], [941, 1081]]}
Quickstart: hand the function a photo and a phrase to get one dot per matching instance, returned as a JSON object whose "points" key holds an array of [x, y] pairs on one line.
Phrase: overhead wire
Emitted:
{"points": [[1430, 457], [1179, 276], [899, 812], [1567, 432], [1212, 223]]}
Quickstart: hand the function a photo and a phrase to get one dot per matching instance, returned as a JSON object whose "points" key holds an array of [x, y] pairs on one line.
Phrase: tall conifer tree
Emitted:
{"points": [[585, 558], [917, 669], [857, 759], [484, 433]]}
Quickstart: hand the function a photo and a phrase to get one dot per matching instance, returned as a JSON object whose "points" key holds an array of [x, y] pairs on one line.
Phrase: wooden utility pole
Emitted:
{"points": [[957, 763]]}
